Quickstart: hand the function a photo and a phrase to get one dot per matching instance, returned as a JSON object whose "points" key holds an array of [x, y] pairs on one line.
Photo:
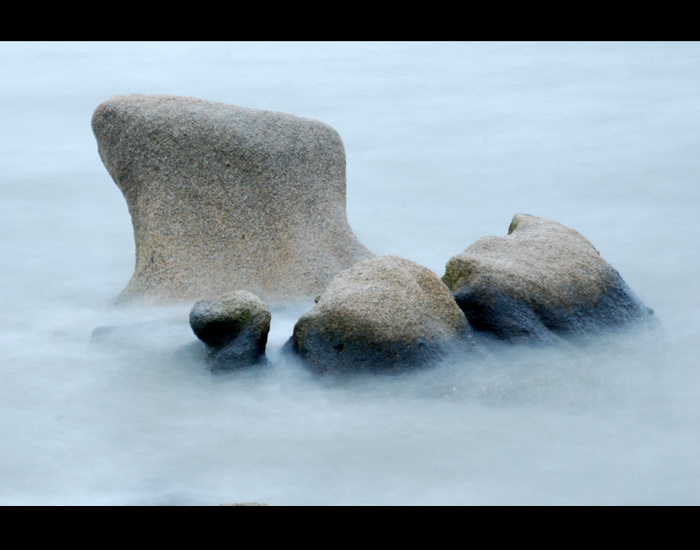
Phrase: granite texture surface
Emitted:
{"points": [[540, 280], [226, 198], [384, 313]]}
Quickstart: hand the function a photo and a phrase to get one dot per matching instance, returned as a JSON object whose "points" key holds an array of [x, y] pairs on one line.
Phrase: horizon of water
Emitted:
{"points": [[444, 142]]}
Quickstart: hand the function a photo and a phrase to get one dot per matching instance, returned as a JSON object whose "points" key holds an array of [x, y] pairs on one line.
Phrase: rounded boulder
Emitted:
{"points": [[382, 314], [541, 281]]}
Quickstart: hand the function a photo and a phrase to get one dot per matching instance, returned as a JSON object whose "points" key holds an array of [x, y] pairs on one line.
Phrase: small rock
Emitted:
{"points": [[245, 504], [234, 329]]}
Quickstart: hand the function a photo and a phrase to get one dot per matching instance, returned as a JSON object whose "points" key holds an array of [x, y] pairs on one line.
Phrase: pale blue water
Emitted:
{"points": [[444, 143]]}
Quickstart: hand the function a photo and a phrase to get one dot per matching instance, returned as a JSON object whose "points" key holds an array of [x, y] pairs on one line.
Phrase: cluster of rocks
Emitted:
{"points": [[541, 283], [237, 207]]}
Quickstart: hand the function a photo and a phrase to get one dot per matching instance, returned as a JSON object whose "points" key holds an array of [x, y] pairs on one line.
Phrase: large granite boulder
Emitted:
{"points": [[234, 329], [541, 281], [382, 314], [224, 198]]}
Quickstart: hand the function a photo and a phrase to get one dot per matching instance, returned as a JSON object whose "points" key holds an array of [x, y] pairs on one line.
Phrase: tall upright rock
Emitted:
{"points": [[226, 198]]}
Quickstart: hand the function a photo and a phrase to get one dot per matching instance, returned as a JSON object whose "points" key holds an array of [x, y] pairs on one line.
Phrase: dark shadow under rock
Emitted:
{"points": [[232, 358]]}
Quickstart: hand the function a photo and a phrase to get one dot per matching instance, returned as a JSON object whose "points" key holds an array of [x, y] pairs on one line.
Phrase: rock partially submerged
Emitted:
{"points": [[542, 279], [225, 198], [383, 314], [234, 329], [245, 504]]}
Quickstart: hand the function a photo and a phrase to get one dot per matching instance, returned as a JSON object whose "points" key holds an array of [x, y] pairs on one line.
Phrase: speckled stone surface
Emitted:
{"points": [[543, 278], [382, 313], [226, 198], [234, 328]]}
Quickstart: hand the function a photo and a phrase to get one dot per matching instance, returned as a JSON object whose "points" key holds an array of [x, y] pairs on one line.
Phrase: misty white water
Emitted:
{"points": [[444, 143]]}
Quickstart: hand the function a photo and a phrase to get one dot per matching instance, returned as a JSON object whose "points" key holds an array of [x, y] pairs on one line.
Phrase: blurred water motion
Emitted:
{"points": [[444, 143]]}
